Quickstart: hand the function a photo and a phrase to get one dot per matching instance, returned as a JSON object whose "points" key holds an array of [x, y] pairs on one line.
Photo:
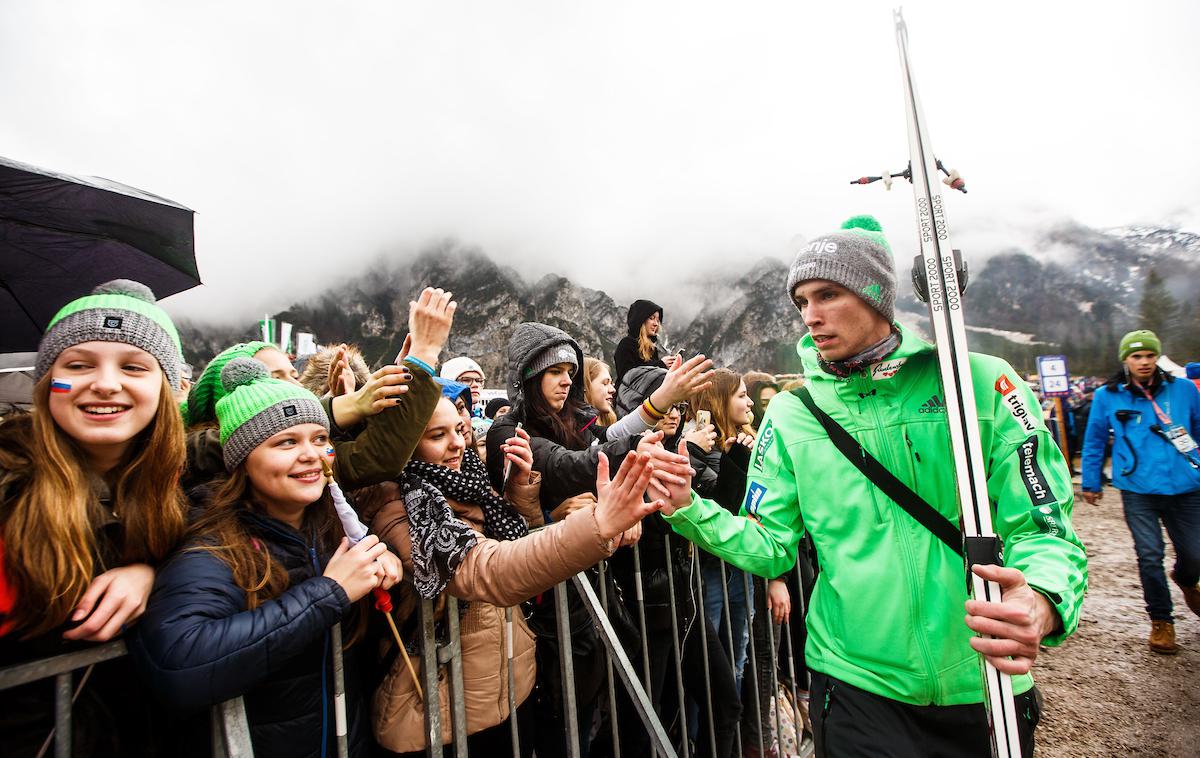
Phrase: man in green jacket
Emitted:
{"points": [[891, 633]]}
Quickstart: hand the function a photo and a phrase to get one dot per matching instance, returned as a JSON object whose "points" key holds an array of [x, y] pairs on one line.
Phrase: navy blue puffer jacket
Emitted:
{"points": [[197, 645]]}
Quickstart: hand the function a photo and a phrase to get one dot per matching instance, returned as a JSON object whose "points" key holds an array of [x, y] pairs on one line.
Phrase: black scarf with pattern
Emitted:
{"points": [[440, 540]]}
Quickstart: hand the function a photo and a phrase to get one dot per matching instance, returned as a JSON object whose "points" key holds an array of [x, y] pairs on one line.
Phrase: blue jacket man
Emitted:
{"points": [[1154, 420]]}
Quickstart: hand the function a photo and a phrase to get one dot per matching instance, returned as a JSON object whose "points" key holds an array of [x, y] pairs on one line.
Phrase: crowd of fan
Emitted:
{"points": [[199, 523]]}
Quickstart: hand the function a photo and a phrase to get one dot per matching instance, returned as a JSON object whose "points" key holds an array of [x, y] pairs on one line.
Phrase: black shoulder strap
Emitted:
{"points": [[925, 514]]}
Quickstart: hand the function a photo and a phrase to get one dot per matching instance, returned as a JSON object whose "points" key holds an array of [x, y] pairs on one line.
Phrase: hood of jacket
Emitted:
{"points": [[639, 311], [529, 339], [639, 383]]}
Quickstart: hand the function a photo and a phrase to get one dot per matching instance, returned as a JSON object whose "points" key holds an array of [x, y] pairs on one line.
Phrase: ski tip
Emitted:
{"points": [[865, 222]]}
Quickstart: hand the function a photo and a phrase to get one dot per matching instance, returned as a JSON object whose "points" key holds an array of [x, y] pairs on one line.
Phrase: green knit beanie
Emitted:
{"points": [[256, 407], [1142, 339], [858, 257], [116, 311], [207, 390]]}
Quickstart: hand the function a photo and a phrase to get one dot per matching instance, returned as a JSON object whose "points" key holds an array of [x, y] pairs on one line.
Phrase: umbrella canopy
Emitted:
{"points": [[62, 235]]}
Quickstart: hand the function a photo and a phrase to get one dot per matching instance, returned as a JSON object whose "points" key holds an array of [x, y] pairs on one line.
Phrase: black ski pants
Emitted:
{"points": [[851, 722]]}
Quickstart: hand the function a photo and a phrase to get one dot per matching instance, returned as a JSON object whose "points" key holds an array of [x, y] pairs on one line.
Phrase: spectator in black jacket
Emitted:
{"points": [[547, 393], [639, 347], [247, 607]]}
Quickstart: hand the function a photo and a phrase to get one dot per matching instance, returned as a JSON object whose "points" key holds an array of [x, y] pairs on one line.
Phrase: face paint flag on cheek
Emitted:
{"points": [[60, 385], [329, 451]]}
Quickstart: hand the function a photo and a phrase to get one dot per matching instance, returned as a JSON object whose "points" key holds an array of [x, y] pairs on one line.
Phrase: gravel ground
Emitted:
{"points": [[1106, 693]]}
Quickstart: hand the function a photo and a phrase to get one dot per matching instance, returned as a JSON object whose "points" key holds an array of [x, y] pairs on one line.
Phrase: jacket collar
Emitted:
{"points": [[911, 345]]}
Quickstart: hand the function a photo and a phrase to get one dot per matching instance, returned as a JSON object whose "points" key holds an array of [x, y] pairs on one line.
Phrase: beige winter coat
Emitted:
{"points": [[494, 575]]}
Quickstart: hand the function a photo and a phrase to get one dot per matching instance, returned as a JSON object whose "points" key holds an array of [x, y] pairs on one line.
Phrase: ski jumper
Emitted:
{"points": [[887, 611]]}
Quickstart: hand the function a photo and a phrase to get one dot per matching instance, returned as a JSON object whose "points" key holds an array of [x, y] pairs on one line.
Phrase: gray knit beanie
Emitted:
{"points": [[118, 311], [858, 257], [562, 352], [257, 407]]}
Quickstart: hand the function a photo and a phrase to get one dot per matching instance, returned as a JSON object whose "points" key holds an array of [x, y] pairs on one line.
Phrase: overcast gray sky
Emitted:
{"points": [[620, 143]]}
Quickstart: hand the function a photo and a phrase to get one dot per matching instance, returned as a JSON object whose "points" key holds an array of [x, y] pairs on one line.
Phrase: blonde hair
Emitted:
{"points": [[715, 400], [51, 552], [591, 369], [646, 346]]}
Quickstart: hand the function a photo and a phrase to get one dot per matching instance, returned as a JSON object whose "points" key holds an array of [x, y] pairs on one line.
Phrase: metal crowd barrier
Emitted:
{"points": [[768, 655], [231, 733]]}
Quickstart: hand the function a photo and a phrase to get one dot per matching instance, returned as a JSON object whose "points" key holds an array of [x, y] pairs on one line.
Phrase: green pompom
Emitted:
{"points": [[243, 371], [865, 222]]}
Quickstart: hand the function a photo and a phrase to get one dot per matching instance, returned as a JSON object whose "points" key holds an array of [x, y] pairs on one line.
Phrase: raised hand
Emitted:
{"points": [[683, 380], [703, 437], [742, 438], [620, 502], [672, 480], [429, 319], [340, 380]]}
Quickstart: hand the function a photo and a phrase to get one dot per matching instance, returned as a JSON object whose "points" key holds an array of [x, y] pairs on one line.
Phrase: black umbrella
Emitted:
{"points": [[62, 235]]}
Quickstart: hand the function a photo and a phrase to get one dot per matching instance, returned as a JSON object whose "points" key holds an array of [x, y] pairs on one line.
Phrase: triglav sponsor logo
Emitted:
{"points": [[1012, 401]]}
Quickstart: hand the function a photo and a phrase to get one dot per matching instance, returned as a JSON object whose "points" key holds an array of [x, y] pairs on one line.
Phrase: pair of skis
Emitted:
{"points": [[939, 274]]}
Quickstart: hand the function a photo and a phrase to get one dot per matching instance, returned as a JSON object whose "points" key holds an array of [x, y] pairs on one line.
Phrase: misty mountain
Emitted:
{"points": [[1076, 292]]}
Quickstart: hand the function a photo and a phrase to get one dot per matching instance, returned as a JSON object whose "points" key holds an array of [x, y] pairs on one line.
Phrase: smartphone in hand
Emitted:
{"points": [[703, 419], [508, 466]]}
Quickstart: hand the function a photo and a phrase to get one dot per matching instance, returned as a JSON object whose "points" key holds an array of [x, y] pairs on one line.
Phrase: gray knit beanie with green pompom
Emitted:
{"points": [[858, 257], [257, 407], [118, 311]]}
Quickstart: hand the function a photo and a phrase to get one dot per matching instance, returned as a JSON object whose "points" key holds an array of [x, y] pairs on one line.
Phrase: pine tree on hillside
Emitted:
{"points": [[1186, 345], [1159, 311]]}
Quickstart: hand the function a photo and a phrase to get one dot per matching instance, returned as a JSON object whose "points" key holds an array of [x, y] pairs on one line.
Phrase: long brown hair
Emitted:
{"points": [[562, 426], [50, 548], [591, 369], [221, 532], [715, 400]]}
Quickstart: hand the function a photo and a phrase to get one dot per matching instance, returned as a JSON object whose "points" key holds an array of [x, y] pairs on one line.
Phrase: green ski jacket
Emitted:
{"points": [[887, 611]]}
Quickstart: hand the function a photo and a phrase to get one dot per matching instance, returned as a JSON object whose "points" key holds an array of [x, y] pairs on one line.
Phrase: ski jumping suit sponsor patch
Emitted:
{"points": [[1032, 476], [1012, 401], [887, 369], [765, 438], [754, 497]]}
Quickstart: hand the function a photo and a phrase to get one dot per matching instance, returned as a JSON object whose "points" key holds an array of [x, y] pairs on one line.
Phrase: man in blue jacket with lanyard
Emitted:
{"points": [[1154, 419]]}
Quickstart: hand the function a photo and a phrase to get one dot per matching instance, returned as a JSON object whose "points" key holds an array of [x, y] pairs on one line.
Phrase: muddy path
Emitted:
{"points": [[1106, 693]]}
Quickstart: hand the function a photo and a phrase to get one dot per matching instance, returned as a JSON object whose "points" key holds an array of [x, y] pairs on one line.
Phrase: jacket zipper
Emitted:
{"points": [[914, 595]]}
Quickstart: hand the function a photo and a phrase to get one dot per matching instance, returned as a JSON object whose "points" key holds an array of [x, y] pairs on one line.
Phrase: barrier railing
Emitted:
{"points": [[231, 732]]}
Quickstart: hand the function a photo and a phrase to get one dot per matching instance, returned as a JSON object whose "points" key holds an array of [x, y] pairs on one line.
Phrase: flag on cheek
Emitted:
{"points": [[60, 385], [329, 451]]}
